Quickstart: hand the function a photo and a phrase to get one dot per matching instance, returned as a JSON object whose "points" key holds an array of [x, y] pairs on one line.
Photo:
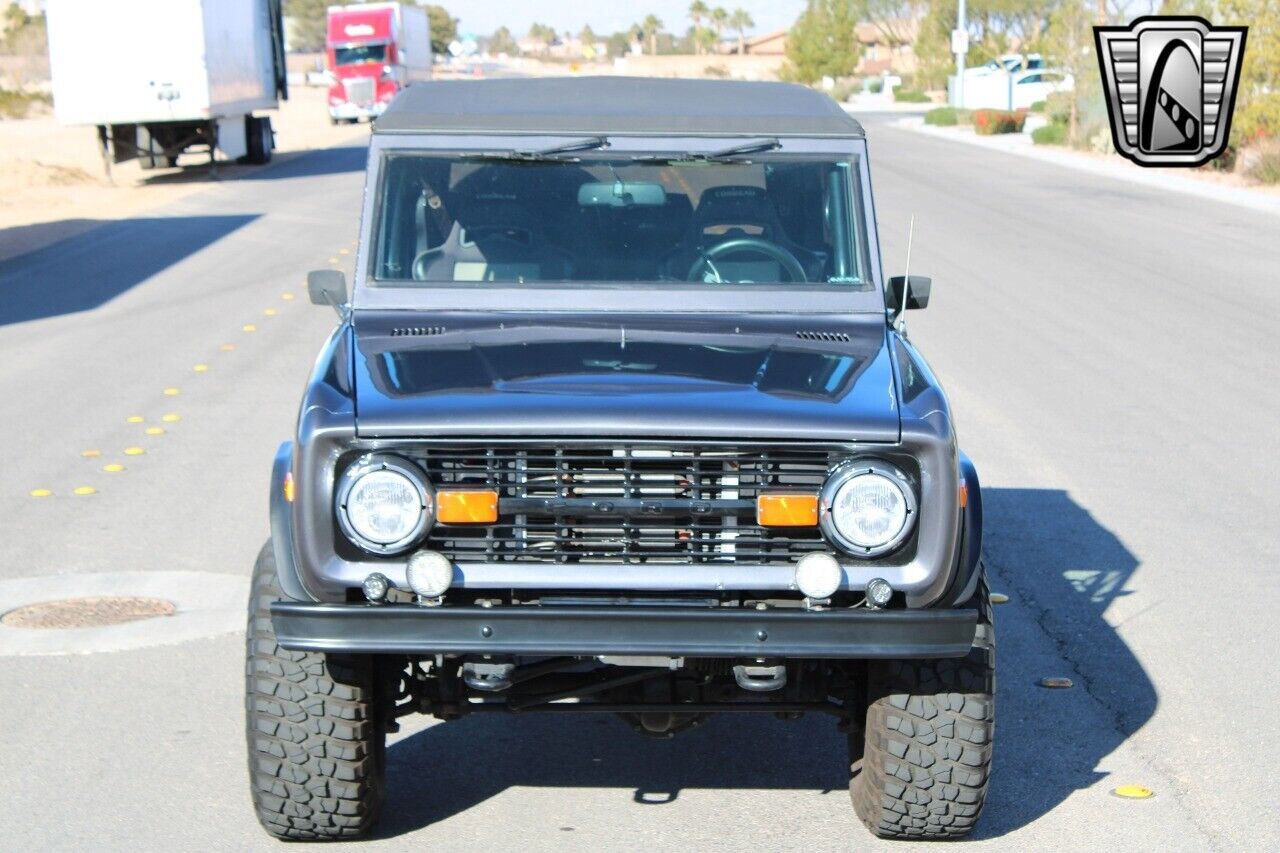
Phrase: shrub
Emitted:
{"points": [[1038, 107], [988, 122], [875, 86], [846, 88], [716, 71], [18, 103], [942, 116], [910, 96], [1050, 134], [1264, 162]]}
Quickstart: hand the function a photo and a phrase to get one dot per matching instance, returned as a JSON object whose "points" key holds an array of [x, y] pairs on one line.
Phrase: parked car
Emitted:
{"points": [[1014, 90], [1037, 85], [620, 416], [1007, 63]]}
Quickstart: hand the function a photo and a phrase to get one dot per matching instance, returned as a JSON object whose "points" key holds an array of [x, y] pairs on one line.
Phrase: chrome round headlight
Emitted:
{"points": [[867, 508], [383, 503]]}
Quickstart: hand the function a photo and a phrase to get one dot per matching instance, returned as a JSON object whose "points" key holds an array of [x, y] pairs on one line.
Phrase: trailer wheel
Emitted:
{"points": [[259, 139]]}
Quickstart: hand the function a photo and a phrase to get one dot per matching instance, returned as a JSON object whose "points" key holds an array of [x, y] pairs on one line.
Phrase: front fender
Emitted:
{"points": [[282, 527], [968, 567]]}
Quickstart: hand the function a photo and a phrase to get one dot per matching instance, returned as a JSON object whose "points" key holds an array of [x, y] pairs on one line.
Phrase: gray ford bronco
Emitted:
{"points": [[620, 417]]}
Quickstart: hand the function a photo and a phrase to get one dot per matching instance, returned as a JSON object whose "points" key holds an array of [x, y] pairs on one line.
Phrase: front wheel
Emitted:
{"points": [[921, 762], [317, 759]]}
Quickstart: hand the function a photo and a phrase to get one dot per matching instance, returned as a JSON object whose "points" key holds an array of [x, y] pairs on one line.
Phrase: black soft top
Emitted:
{"points": [[616, 105]]}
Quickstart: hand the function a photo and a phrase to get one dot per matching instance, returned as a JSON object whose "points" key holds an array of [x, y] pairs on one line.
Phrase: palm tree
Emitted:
{"points": [[697, 11], [650, 27], [741, 21], [719, 19]]}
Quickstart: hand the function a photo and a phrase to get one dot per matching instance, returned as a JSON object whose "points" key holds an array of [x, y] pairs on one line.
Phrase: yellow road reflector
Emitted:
{"points": [[90, 454], [84, 490], [344, 251], [227, 347], [333, 260], [200, 368], [154, 430], [1057, 683], [113, 467], [286, 296], [134, 419], [999, 598], [40, 493], [1133, 792], [270, 312], [787, 510], [248, 327], [171, 418], [466, 507], [171, 392], [134, 451]]}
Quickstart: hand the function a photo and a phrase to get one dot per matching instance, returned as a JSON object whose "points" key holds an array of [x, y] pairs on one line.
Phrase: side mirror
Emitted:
{"points": [[329, 287], [917, 293]]}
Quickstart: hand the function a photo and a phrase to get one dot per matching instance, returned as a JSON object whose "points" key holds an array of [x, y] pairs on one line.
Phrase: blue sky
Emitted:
{"points": [[482, 17]]}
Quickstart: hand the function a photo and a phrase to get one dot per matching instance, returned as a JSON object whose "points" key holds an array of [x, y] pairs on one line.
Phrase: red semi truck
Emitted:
{"points": [[373, 51]]}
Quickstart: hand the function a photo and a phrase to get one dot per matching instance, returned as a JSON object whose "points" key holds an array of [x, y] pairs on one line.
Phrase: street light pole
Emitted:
{"points": [[960, 45]]}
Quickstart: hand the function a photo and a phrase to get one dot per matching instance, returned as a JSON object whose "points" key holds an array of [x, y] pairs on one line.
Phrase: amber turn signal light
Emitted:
{"points": [[470, 507], [787, 510]]}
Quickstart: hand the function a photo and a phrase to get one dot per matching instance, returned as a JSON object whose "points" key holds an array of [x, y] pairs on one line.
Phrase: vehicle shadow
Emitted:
{"points": [[101, 262], [284, 166], [1060, 567]]}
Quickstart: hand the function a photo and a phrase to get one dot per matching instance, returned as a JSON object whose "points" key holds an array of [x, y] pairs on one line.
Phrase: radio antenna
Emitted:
{"points": [[900, 320]]}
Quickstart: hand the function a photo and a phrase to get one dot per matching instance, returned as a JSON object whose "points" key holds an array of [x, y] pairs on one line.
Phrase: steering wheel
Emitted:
{"points": [[707, 258]]}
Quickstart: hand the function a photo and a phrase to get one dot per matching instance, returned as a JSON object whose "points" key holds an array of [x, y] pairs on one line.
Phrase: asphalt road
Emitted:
{"points": [[1111, 358]]}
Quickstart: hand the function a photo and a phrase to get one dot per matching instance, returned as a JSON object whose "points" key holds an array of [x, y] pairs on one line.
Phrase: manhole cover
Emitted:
{"points": [[87, 612]]}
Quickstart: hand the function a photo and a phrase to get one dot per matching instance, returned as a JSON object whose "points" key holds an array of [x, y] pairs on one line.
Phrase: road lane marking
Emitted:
{"points": [[171, 418], [1133, 792], [171, 392], [134, 419], [200, 368], [227, 347], [1057, 683], [83, 491], [154, 430], [286, 296], [90, 454], [40, 493], [248, 327], [270, 312], [999, 598], [134, 451], [344, 251], [113, 467]]}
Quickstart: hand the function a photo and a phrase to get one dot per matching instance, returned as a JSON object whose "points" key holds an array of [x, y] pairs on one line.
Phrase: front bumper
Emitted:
{"points": [[357, 111], [639, 630]]}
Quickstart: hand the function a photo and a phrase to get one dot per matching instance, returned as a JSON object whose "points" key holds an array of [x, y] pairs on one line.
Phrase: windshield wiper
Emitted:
{"points": [[588, 144], [755, 146]]}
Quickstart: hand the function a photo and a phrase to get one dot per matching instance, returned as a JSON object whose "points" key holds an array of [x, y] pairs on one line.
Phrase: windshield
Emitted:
{"points": [[360, 54], [477, 220]]}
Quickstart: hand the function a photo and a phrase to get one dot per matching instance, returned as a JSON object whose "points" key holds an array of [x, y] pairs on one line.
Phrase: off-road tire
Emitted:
{"points": [[317, 759], [921, 762]]}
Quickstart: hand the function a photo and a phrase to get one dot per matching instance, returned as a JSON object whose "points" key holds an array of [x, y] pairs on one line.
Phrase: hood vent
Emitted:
{"points": [[416, 331], [829, 337]]}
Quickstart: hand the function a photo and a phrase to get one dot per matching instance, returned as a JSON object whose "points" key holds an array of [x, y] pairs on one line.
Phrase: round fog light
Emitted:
{"points": [[430, 574], [375, 587], [878, 592], [818, 575]]}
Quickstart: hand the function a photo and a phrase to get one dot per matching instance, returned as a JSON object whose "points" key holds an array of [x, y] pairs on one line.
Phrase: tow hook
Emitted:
{"points": [[759, 678]]}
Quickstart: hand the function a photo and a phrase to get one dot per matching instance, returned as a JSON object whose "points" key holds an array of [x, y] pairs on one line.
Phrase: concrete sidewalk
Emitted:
{"points": [[1021, 144]]}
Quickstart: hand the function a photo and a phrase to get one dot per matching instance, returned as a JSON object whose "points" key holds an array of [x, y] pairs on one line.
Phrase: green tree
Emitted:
{"points": [[650, 27], [503, 42], [698, 12], [719, 21], [1068, 45], [444, 28], [822, 42], [740, 22]]}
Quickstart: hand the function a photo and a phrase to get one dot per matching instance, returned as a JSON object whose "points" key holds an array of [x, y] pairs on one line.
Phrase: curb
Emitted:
{"points": [[1018, 144]]}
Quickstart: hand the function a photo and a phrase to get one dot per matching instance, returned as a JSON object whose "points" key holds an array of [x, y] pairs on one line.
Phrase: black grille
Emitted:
{"points": [[632, 503]]}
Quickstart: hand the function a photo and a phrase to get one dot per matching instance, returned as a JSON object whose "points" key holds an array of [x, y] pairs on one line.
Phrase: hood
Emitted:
{"points": [[722, 377]]}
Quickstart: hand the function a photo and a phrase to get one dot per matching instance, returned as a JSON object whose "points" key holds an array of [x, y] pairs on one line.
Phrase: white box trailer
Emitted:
{"points": [[159, 77]]}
